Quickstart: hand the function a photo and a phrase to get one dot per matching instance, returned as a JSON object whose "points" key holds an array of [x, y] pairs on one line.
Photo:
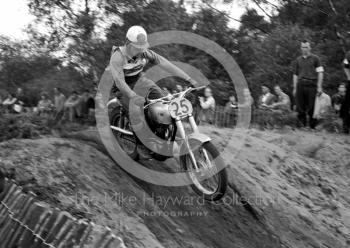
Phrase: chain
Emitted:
{"points": [[37, 236]]}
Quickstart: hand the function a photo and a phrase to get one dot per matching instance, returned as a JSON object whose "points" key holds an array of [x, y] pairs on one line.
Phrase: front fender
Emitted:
{"points": [[195, 140], [113, 101], [202, 138]]}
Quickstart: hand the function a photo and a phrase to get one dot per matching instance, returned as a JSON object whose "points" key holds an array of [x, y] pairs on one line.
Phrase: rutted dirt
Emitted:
{"points": [[296, 184]]}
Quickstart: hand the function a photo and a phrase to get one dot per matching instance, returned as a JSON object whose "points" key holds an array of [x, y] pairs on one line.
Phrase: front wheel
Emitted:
{"points": [[208, 160]]}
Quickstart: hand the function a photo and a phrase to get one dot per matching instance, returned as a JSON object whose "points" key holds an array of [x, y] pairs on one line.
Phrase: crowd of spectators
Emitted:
{"points": [[59, 107], [311, 104], [269, 108], [272, 104]]}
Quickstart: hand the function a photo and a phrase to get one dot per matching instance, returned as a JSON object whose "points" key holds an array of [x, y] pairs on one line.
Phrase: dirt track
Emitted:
{"points": [[296, 183]]}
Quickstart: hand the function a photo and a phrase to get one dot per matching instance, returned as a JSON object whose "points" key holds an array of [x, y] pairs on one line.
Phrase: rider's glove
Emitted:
{"points": [[192, 82]]}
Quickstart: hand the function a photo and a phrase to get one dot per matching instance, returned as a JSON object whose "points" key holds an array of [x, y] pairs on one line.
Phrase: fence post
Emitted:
{"points": [[85, 237], [54, 232], [64, 230], [25, 223], [11, 225], [8, 205], [23, 215], [37, 214]]}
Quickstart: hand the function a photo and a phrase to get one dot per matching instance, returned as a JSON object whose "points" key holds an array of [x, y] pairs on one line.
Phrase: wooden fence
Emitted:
{"points": [[223, 118], [261, 118], [26, 223]]}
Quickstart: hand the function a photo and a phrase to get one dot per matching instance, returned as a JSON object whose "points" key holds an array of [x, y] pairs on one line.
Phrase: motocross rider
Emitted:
{"points": [[126, 66]]}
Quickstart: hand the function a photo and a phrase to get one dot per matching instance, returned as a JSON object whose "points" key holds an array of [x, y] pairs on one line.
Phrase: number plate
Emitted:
{"points": [[179, 107]]}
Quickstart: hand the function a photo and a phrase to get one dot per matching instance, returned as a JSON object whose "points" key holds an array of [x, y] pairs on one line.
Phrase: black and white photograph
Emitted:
{"points": [[174, 123]]}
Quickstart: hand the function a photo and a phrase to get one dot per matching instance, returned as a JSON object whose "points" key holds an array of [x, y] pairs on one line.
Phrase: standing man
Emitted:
{"points": [[59, 101], [345, 108], [307, 83], [73, 105]]}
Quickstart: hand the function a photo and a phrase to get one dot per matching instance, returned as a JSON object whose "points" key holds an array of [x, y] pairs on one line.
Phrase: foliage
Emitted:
{"points": [[269, 119], [75, 46], [22, 126], [31, 126]]}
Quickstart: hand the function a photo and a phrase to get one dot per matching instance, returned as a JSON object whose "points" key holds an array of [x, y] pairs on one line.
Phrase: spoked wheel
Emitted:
{"points": [[126, 141], [207, 181]]}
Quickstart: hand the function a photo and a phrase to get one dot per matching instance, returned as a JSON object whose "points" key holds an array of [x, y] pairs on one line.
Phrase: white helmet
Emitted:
{"points": [[137, 36]]}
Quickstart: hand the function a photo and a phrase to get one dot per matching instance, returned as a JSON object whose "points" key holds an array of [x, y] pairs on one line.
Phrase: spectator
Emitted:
{"points": [[248, 99], [166, 90], [278, 113], [45, 105], [21, 101], [9, 103], [323, 105], [207, 104], [87, 103], [339, 97], [231, 111], [283, 101], [59, 100], [73, 106], [179, 88], [266, 99], [1, 106], [307, 82], [231, 104], [245, 108], [345, 108]]}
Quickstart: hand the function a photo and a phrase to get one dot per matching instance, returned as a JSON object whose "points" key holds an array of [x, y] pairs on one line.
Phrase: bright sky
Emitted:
{"points": [[14, 16]]}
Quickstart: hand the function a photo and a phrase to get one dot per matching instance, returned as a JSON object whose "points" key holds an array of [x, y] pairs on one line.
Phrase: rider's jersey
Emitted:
{"points": [[135, 65]]}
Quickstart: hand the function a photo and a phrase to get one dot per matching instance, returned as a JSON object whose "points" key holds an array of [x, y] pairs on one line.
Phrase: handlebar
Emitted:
{"points": [[172, 96]]}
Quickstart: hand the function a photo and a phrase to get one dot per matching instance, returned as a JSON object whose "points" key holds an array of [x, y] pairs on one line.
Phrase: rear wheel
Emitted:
{"points": [[208, 160], [127, 142]]}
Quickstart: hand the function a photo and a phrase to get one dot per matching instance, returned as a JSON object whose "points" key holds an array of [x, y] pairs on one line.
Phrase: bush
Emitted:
{"points": [[31, 126], [267, 118], [330, 122], [22, 126]]}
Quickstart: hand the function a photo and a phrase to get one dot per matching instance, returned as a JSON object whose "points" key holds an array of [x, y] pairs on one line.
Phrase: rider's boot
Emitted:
{"points": [[153, 147], [143, 152], [148, 146]]}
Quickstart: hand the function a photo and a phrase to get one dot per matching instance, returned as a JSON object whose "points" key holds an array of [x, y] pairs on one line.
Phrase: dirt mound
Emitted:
{"points": [[294, 185], [298, 182]]}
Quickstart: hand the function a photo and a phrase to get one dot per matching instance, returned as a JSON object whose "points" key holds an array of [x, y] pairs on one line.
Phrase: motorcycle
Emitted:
{"points": [[167, 117]]}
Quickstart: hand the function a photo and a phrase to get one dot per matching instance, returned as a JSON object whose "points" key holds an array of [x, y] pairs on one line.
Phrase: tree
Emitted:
{"points": [[79, 36]]}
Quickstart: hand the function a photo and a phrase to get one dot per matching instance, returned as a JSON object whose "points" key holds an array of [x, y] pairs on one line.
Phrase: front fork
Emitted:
{"points": [[182, 133], [195, 130]]}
